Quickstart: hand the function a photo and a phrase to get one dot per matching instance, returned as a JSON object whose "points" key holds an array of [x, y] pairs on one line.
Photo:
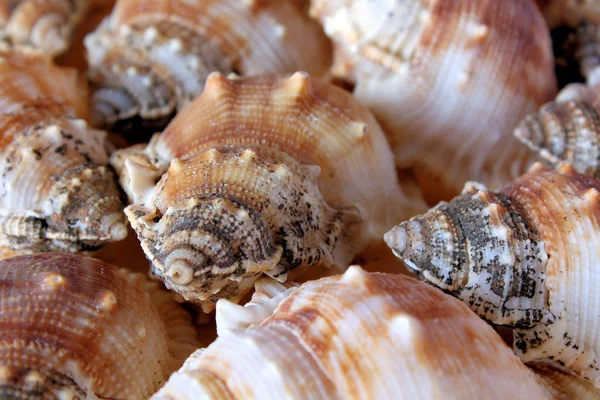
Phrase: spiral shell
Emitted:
{"points": [[150, 58], [356, 336], [75, 327], [563, 385], [448, 80], [260, 175], [41, 26], [56, 191], [526, 256], [567, 129]]}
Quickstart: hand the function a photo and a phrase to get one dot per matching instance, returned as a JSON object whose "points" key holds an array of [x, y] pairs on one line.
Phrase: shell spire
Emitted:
{"points": [[252, 183], [353, 336], [150, 58], [525, 256]]}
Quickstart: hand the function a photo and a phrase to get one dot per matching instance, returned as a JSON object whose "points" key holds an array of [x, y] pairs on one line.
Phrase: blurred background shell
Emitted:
{"points": [[448, 80], [309, 138], [525, 256], [355, 336], [75, 327], [150, 58], [56, 189]]}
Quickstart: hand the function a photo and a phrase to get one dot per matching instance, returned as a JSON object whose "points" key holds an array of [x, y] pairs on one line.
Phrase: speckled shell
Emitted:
{"points": [[526, 256], [356, 336], [263, 175], [56, 189], [567, 129], [73, 327], [150, 58], [563, 385], [41, 26], [448, 80]]}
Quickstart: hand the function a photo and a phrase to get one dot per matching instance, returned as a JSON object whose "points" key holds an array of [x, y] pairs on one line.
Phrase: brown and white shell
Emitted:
{"points": [[57, 191], [261, 175], [41, 26], [355, 336], [563, 385], [74, 327], [567, 129], [152, 57], [448, 80], [526, 256]]}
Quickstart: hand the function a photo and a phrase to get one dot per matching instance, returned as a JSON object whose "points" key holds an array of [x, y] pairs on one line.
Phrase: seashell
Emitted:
{"points": [[41, 26], [588, 51], [563, 385], [76, 327], [356, 336], [525, 256], [448, 80], [569, 12], [260, 175], [567, 129], [150, 58], [56, 191]]}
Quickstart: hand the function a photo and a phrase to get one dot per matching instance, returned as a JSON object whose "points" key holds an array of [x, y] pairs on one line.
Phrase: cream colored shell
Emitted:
{"points": [[261, 175], [355, 336], [526, 256], [150, 58], [75, 327], [564, 385], [448, 80], [56, 190]]}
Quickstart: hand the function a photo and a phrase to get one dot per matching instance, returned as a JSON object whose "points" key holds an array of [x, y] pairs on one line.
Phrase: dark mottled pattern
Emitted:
{"points": [[48, 388]]}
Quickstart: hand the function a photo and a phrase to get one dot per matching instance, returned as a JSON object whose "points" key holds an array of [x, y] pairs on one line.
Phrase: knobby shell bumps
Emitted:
{"points": [[448, 80], [151, 57], [41, 26], [355, 336], [75, 327], [56, 189], [526, 256], [261, 175]]}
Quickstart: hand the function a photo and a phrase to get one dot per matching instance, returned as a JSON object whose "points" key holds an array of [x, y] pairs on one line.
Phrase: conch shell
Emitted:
{"points": [[76, 327], [41, 26], [56, 190], [527, 256], [356, 336], [260, 175], [448, 80], [152, 57], [567, 129], [563, 385]]}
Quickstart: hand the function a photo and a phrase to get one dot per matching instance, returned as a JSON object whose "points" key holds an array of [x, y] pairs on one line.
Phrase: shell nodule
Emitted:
{"points": [[525, 256], [249, 183], [75, 327]]}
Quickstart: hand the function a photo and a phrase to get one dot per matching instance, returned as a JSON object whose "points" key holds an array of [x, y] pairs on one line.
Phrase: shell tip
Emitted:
{"points": [[472, 187], [355, 276], [592, 195], [180, 272], [396, 240], [566, 169], [537, 167], [215, 82], [298, 83], [118, 231]]}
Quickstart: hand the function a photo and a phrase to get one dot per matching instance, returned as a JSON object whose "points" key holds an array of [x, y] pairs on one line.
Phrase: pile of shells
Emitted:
{"points": [[261, 199]]}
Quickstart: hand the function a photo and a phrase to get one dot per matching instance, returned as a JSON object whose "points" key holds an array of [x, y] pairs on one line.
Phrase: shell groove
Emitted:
{"points": [[41, 26], [75, 327], [294, 161], [150, 58], [526, 256], [355, 336], [56, 189], [448, 80]]}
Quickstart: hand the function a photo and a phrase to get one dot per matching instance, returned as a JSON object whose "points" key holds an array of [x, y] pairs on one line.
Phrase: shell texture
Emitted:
{"points": [[260, 175], [525, 256], [567, 129], [41, 26], [151, 58], [355, 336], [564, 385], [569, 12], [73, 327], [588, 51], [57, 191], [448, 80]]}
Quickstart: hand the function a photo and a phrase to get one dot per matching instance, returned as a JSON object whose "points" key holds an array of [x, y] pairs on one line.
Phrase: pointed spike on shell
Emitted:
{"points": [[472, 187], [216, 83], [567, 170], [298, 84], [592, 195]]}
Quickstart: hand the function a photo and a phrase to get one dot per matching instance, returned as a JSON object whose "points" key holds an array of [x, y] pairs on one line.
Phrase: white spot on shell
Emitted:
{"points": [[357, 130], [107, 302], [180, 272], [473, 187], [6, 373], [150, 34], [34, 378], [140, 330], [66, 394], [53, 281], [355, 276]]}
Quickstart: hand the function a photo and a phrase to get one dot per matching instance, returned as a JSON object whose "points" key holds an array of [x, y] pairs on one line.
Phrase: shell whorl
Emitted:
{"points": [[353, 336], [151, 58], [219, 219], [75, 327], [523, 257]]}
